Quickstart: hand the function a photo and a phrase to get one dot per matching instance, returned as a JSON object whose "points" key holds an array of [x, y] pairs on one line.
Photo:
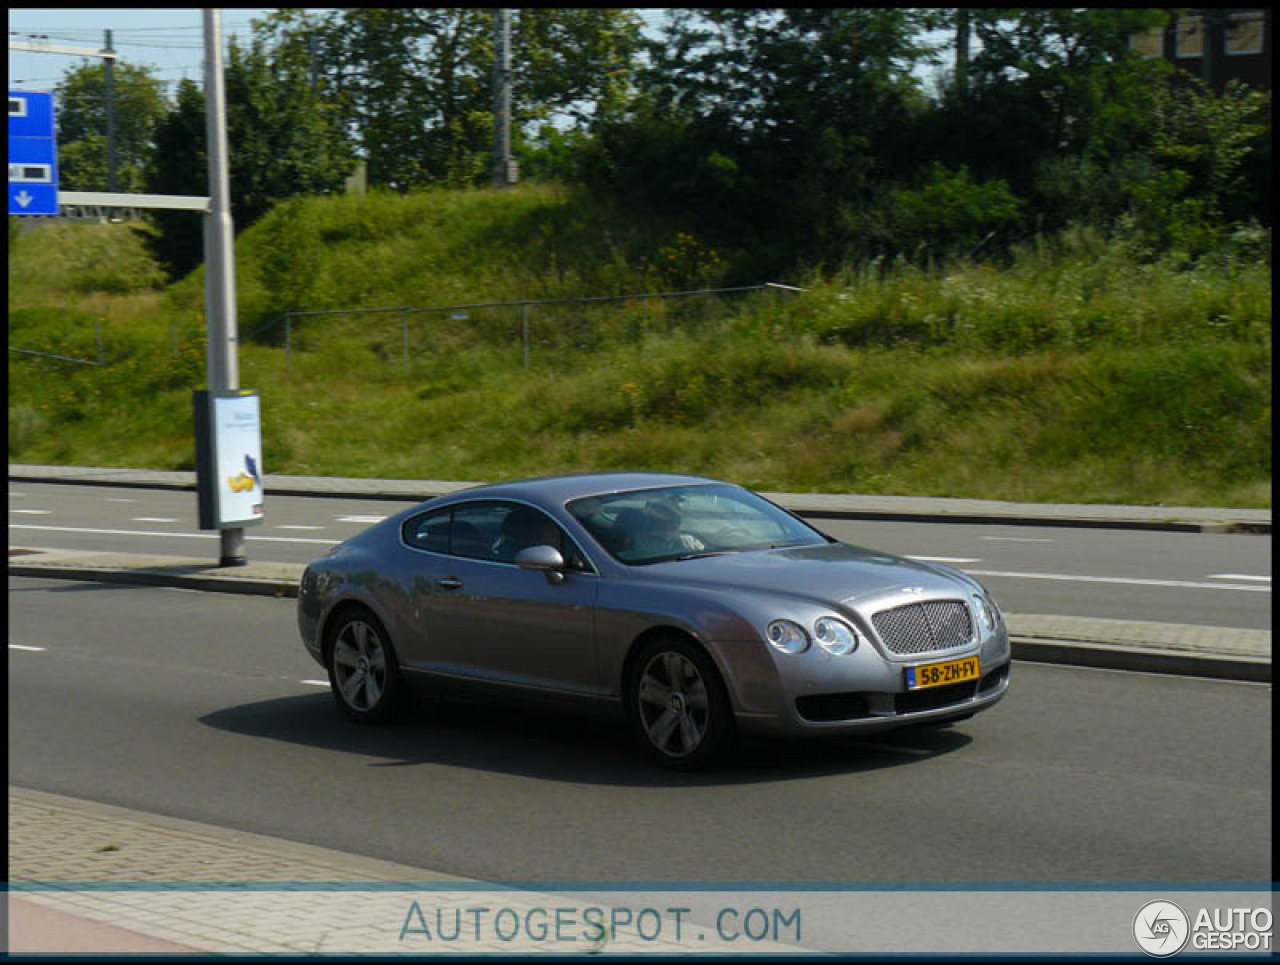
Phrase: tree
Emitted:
{"points": [[414, 86], [283, 141], [179, 165], [769, 126], [1085, 130], [284, 138], [139, 106], [1050, 83]]}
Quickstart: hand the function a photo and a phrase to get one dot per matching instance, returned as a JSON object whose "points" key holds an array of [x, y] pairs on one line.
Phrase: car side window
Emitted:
{"points": [[491, 530], [477, 528], [429, 531], [522, 527]]}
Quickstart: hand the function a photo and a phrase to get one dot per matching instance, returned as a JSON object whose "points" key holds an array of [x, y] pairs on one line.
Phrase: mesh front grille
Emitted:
{"points": [[922, 627]]}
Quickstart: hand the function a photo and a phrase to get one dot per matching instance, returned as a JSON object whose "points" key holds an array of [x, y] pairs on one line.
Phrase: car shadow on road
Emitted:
{"points": [[561, 746]]}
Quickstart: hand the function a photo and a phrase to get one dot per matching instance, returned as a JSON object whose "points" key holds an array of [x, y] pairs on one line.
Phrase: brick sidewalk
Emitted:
{"points": [[88, 877]]}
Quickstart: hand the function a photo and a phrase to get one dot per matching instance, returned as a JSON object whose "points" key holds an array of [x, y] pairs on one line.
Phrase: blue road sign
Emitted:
{"points": [[33, 153]]}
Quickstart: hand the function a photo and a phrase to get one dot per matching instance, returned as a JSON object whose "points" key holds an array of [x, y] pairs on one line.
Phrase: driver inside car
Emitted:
{"points": [[660, 533]]}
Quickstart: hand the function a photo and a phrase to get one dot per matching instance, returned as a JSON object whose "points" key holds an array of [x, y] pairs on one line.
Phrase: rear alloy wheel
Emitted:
{"points": [[678, 705], [363, 672]]}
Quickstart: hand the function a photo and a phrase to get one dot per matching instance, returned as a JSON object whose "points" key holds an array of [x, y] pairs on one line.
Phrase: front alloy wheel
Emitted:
{"points": [[679, 707], [363, 672]]}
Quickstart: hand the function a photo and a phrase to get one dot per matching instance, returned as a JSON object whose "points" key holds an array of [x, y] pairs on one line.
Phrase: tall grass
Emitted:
{"points": [[1079, 373]]}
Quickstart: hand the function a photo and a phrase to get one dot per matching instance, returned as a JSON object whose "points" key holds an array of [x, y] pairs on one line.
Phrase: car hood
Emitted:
{"points": [[831, 573]]}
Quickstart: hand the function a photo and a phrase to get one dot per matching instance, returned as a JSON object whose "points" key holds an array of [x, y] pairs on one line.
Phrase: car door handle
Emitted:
{"points": [[449, 583]]}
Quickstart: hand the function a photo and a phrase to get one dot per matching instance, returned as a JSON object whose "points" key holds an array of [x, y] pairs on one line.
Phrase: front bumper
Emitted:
{"points": [[866, 712], [863, 692]]}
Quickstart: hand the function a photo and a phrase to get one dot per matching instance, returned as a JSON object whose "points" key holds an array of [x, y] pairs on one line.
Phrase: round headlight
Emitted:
{"points": [[835, 636], [787, 636], [985, 612]]}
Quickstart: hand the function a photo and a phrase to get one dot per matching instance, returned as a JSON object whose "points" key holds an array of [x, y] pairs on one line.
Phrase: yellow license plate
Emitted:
{"points": [[941, 674]]}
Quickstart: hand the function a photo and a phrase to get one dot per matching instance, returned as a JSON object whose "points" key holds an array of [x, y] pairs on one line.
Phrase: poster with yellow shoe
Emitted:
{"points": [[228, 458]]}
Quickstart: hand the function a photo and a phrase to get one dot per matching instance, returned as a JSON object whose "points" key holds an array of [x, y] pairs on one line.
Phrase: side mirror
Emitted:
{"points": [[546, 559]]}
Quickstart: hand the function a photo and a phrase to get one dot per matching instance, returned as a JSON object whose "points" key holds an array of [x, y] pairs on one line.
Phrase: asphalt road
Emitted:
{"points": [[204, 706], [1189, 578]]}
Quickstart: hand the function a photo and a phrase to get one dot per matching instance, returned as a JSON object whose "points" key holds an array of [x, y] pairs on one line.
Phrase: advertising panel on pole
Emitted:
{"points": [[228, 458]]}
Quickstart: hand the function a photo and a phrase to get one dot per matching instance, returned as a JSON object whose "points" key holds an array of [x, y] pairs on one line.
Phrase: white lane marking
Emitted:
{"points": [[1073, 578], [943, 559], [116, 500], [143, 532], [155, 519], [315, 683], [299, 527], [1018, 539], [12, 494], [1237, 576], [18, 646], [33, 512], [359, 519]]}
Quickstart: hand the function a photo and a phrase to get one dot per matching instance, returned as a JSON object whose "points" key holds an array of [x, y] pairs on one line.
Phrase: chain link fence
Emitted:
{"points": [[397, 335], [394, 336]]}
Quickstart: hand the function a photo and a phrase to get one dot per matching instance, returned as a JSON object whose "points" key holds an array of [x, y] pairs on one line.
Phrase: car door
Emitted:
{"points": [[426, 562], [500, 623]]}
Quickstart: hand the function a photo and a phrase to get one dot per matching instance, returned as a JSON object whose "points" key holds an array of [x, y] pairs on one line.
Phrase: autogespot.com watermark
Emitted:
{"points": [[1162, 929], [428, 924], [745, 920]]}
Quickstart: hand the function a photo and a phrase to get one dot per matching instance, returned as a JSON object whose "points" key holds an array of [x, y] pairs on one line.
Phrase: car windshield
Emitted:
{"points": [[685, 522]]}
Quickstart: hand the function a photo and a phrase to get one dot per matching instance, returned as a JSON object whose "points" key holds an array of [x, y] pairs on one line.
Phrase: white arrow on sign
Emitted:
{"points": [[23, 199]]}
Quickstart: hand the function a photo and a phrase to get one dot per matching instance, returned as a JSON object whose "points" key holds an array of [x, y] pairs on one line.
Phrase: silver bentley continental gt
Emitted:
{"points": [[695, 607]]}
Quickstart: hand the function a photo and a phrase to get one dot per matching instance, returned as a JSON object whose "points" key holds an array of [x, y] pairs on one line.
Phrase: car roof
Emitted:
{"points": [[561, 489]]}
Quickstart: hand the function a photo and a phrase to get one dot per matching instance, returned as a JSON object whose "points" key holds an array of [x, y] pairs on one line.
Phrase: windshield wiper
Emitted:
{"points": [[704, 554], [742, 549]]}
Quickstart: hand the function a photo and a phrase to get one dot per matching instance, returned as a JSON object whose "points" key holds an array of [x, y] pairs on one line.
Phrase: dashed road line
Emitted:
{"points": [[141, 532], [156, 519], [19, 646], [359, 519], [33, 512], [1130, 581], [1018, 539], [944, 559], [1237, 576]]}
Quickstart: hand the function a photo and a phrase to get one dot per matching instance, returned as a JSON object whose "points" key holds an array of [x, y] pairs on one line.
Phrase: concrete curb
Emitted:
{"points": [[1218, 652], [255, 579], [1103, 656], [1191, 519]]}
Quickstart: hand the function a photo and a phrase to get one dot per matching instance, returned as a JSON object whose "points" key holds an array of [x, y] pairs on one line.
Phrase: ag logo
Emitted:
{"points": [[1161, 928]]}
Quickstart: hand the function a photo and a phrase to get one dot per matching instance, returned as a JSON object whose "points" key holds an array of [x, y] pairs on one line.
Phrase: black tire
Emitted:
{"points": [[364, 674], [678, 705]]}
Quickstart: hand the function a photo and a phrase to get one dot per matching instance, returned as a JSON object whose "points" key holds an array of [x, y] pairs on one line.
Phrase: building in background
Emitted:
{"points": [[1217, 44]]}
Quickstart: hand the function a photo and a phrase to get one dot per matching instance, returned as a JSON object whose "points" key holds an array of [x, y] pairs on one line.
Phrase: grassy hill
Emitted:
{"points": [[1081, 373]]}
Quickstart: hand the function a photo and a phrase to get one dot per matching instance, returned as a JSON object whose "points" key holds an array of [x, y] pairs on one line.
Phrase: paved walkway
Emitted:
{"points": [[844, 506], [92, 878]]}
